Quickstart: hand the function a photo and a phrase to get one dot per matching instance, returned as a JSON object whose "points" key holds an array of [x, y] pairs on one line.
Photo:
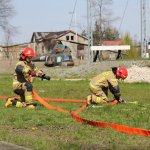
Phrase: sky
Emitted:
{"points": [[55, 15]]}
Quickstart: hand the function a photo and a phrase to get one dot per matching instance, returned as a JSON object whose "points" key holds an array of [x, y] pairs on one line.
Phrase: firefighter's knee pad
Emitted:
{"points": [[20, 104], [98, 100], [24, 105], [28, 97], [28, 86]]}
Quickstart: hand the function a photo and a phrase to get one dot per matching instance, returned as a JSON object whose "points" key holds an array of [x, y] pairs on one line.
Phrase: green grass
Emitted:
{"points": [[57, 130]]}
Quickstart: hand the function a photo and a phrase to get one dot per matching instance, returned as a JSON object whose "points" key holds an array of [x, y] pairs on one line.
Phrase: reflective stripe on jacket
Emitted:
{"points": [[104, 80]]}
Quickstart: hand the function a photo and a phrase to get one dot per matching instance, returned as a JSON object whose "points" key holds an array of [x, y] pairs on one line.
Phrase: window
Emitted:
{"points": [[72, 38], [67, 38], [80, 47]]}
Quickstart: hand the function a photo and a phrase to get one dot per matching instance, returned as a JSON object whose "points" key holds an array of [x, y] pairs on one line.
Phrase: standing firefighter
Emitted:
{"points": [[100, 84], [25, 71]]}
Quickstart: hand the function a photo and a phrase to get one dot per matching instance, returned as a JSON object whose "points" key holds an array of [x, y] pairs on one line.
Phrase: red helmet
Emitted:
{"points": [[27, 52], [122, 72]]}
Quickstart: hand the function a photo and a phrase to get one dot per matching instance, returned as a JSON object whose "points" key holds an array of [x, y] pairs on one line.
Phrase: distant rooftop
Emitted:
{"points": [[113, 42]]}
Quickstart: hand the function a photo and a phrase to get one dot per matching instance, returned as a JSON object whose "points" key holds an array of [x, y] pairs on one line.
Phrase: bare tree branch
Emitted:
{"points": [[6, 13]]}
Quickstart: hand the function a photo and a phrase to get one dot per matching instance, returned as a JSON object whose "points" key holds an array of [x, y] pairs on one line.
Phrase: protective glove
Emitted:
{"points": [[45, 77], [40, 75]]}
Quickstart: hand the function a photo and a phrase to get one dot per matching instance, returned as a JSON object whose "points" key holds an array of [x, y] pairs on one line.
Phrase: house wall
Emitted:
{"points": [[82, 54], [12, 52], [38, 48]]}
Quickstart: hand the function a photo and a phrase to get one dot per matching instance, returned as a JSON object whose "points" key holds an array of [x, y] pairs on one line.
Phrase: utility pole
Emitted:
{"points": [[89, 29], [143, 29]]}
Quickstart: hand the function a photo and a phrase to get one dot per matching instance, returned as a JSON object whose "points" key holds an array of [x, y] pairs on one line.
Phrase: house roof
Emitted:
{"points": [[113, 42], [39, 35], [51, 35], [56, 34]]}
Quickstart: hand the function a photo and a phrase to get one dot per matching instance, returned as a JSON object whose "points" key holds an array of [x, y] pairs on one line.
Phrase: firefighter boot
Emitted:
{"points": [[88, 100], [9, 101], [30, 106], [13, 101]]}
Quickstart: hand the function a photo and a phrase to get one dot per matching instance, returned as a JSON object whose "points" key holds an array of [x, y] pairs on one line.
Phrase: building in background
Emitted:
{"points": [[44, 42]]}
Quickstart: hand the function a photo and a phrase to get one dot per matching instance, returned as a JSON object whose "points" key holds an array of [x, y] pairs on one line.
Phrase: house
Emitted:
{"points": [[44, 42]]}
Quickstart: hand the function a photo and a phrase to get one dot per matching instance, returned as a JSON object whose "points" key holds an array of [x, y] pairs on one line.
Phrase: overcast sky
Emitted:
{"points": [[55, 15]]}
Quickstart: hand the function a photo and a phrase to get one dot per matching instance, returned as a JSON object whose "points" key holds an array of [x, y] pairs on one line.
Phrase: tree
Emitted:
{"points": [[133, 53], [103, 19], [7, 12], [110, 33], [96, 34], [102, 15]]}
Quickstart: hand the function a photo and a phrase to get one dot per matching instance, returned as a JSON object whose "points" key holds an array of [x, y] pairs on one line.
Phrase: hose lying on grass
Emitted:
{"points": [[117, 127]]}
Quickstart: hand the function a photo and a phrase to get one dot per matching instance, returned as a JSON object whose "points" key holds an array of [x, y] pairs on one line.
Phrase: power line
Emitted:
{"points": [[73, 14], [123, 14]]}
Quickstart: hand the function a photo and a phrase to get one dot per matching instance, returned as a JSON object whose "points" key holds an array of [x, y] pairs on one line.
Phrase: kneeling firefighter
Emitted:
{"points": [[100, 84], [25, 71]]}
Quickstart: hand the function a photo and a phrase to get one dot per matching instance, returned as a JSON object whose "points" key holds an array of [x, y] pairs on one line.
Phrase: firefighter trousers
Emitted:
{"points": [[98, 96]]}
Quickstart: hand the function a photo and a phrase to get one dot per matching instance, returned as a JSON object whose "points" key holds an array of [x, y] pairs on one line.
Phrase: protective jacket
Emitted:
{"points": [[22, 81], [22, 72], [106, 80]]}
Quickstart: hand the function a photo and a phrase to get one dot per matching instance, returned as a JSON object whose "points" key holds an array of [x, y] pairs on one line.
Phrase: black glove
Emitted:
{"points": [[122, 101], [45, 77]]}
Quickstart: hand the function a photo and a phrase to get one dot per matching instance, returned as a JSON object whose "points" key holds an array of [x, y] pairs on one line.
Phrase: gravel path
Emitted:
{"points": [[138, 74], [139, 71]]}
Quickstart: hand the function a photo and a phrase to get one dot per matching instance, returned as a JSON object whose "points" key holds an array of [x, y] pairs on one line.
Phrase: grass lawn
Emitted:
{"points": [[43, 129]]}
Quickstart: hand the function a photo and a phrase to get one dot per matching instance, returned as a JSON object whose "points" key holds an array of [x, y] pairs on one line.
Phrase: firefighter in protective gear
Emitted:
{"points": [[100, 84], [24, 74]]}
